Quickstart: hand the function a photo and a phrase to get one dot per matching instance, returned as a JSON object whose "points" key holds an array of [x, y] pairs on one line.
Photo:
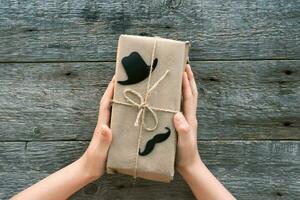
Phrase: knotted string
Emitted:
{"points": [[143, 105]]}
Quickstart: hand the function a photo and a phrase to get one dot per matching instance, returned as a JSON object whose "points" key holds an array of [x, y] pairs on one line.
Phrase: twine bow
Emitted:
{"points": [[143, 105]]}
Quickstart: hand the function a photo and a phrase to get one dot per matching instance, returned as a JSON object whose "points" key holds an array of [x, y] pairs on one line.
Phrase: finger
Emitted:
{"points": [[105, 138], [105, 104], [192, 81], [187, 92], [108, 92], [181, 125], [188, 102], [102, 138]]}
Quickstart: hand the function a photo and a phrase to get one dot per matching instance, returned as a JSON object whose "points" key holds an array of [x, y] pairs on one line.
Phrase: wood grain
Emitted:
{"points": [[238, 99], [57, 57], [76, 30], [251, 170]]}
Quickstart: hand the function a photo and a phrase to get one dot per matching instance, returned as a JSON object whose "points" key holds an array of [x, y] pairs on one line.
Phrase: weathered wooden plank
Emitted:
{"points": [[238, 100], [251, 170], [76, 30], [12, 156], [249, 100]]}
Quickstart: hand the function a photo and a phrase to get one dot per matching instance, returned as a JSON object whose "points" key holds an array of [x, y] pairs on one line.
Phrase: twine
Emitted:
{"points": [[143, 105]]}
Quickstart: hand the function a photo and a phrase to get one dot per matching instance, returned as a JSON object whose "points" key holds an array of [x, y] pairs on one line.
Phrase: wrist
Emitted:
{"points": [[189, 169], [88, 174]]}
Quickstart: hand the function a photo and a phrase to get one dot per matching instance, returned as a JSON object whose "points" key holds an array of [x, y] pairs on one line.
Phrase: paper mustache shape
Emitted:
{"points": [[152, 142], [136, 68]]}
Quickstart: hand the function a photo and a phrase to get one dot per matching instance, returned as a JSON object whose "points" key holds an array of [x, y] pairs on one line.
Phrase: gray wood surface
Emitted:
{"points": [[251, 170], [76, 30], [238, 99], [57, 57]]}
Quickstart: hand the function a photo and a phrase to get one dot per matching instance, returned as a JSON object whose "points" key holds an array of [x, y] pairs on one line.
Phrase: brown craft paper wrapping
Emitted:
{"points": [[159, 164]]}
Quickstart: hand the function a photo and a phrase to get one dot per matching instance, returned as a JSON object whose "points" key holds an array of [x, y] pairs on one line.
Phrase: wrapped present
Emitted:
{"points": [[147, 94]]}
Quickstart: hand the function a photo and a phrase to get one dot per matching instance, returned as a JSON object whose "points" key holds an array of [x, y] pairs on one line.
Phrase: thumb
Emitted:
{"points": [[105, 137], [181, 125]]}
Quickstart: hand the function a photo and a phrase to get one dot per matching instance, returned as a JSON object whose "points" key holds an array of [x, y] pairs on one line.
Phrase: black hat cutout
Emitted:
{"points": [[136, 68]]}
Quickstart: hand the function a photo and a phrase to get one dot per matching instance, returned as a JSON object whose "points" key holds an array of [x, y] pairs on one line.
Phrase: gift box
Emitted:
{"points": [[147, 94]]}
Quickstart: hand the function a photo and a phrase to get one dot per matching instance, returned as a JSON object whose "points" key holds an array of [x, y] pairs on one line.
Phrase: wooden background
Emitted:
{"points": [[57, 56]]}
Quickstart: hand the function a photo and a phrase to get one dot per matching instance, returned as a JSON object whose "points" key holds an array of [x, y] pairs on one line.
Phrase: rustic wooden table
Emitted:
{"points": [[56, 58]]}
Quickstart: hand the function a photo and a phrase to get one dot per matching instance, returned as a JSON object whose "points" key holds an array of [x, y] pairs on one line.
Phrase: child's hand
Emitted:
{"points": [[202, 182], [186, 123], [94, 158]]}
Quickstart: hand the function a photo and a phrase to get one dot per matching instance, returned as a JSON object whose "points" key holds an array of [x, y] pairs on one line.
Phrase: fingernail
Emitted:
{"points": [[105, 133], [179, 117], [104, 129]]}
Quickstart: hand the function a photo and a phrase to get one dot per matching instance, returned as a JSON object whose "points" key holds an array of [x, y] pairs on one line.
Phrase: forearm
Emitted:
{"points": [[59, 185], [203, 183]]}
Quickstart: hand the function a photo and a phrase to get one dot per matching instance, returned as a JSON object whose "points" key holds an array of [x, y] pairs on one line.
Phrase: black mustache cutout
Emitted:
{"points": [[156, 139], [136, 68]]}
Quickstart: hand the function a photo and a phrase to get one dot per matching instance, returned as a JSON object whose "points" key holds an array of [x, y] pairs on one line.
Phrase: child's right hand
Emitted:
{"points": [[186, 124]]}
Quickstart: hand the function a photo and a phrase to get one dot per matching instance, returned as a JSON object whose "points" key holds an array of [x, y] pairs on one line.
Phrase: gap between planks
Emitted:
{"points": [[108, 61], [201, 140]]}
